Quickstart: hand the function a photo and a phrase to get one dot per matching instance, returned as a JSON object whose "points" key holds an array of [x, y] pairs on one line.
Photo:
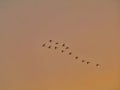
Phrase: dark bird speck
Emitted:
{"points": [[63, 45], [43, 45], [50, 41], [76, 57], [56, 47], [62, 51], [70, 53], [56, 43], [88, 62], [49, 46], [97, 65], [83, 60], [67, 48]]}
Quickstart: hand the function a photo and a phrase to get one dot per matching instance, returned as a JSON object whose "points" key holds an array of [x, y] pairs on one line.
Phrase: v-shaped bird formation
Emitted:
{"points": [[57, 46]]}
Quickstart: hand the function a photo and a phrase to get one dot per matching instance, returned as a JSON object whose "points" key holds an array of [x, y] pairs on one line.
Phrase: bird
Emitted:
{"points": [[43, 45], [88, 62], [76, 57], [50, 41], [67, 48], [49, 46], [83, 60], [70, 53], [62, 51], [98, 65], [56, 43], [63, 44], [56, 47]]}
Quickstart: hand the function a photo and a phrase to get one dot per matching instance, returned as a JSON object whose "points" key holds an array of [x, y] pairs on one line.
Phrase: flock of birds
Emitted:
{"points": [[64, 48]]}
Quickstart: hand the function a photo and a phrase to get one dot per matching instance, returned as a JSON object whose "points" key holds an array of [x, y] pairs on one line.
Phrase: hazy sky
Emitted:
{"points": [[89, 27]]}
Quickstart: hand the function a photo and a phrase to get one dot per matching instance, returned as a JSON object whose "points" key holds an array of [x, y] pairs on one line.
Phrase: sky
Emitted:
{"points": [[89, 27]]}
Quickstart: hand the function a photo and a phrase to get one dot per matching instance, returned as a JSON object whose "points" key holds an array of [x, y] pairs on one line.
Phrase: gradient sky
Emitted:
{"points": [[89, 27]]}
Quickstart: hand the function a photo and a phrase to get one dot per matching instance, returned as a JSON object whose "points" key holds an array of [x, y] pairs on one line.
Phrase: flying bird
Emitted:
{"points": [[88, 62], [98, 65], [63, 45], [43, 45], [76, 57], [49, 46], [56, 43], [50, 41], [62, 51], [70, 53], [67, 48], [56, 47], [83, 60]]}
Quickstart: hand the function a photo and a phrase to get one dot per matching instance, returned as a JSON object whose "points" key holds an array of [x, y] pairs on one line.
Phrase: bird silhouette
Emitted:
{"points": [[76, 57], [50, 41], [62, 51], [49, 46], [56, 43], [67, 48], [88, 62], [98, 65], [83, 60], [56, 47], [43, 45], [70, 53], [63, 44]]}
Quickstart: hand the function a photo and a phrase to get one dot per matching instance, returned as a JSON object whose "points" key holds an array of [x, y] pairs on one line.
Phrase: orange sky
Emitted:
{"points": [[89, 27]]}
